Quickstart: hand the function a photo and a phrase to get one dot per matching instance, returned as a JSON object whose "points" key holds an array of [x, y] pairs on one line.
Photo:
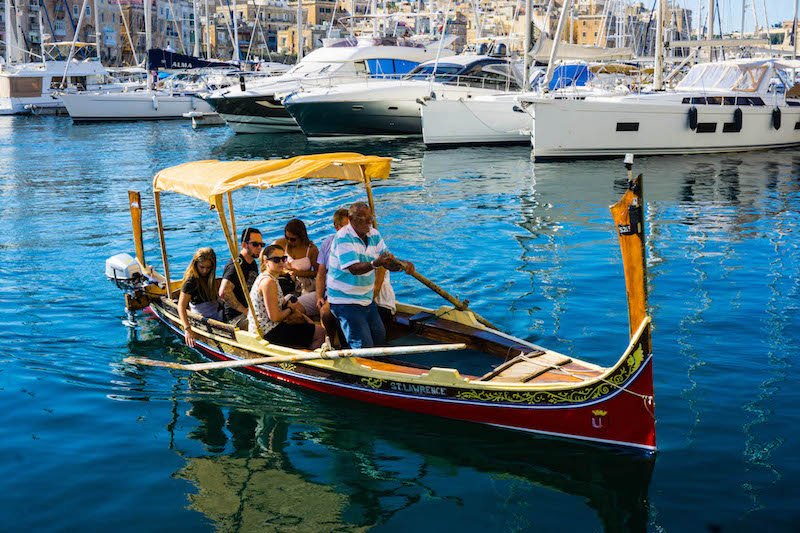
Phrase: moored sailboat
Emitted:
{"points": [[530, 388], [725, 106]]}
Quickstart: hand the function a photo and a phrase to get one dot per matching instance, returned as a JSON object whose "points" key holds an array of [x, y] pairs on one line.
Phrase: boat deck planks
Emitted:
{"points": [[525, 367]]}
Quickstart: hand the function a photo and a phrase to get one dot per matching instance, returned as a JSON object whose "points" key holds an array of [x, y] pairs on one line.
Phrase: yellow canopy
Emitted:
{"points": [[205, 180]]}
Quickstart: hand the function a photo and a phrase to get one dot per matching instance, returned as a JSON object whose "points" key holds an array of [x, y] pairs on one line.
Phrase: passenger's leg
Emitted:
{"points": [[356, 328], [319, 337], [331, 325], [375, 324], [386, 318], [309, 301]]}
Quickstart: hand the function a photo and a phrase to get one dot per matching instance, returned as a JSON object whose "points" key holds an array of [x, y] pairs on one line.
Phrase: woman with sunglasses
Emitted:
{"points": [[197, 291], [301, 262], [287, 324]]}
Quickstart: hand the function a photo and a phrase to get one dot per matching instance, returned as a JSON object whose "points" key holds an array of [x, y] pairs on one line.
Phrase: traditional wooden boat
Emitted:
{"points": [[523, 386]]}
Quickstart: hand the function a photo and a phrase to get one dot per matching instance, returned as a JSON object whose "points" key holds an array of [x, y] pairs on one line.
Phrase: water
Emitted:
{"points": [[90, 442]]}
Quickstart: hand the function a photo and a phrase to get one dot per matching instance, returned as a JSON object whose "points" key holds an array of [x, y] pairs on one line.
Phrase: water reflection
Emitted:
{"points": [[333, 470]]}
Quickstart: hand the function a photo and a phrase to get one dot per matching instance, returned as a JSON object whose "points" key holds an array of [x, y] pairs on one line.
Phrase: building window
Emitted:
{"points": [[75, 9]]}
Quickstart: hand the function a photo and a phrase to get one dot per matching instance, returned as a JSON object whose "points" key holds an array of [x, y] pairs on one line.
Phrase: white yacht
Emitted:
{"points": [[170, 98], [392, 107], [481, 119], [25, 87], [254, 108], [717, 107], [498, 118]]}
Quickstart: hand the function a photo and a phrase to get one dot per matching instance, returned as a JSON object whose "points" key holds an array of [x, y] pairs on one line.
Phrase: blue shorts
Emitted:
{"points": [[361, 324]]}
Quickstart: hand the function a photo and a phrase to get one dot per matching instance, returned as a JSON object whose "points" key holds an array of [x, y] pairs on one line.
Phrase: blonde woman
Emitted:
{"points": [[281, 322], [197, 291]]}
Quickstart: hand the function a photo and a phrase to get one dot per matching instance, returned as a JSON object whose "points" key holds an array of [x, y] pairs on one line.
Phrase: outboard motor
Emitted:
{"points": [[124, 271], [126, 274]]}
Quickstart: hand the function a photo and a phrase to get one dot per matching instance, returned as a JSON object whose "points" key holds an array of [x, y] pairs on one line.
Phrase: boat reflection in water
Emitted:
{"points": [[341, 469]]}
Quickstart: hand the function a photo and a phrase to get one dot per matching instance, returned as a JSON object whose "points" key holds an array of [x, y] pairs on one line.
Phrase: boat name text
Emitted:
{"points": [[418, 389]]}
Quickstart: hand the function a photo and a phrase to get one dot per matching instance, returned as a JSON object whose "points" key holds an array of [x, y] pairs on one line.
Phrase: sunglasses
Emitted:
{"points": [[291, 239], [277, 259], [258, 244]]}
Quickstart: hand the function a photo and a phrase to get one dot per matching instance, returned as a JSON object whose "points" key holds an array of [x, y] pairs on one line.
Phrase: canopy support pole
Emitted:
{"points": [[157, 198], [235, 257], [232, 217]]}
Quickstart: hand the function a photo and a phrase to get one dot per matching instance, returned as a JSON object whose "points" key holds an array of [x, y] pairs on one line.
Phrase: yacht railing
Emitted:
{"points": [[452, 80]]}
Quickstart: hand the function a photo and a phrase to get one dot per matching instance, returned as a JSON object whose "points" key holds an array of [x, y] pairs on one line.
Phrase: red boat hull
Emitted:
{"points": [[625, 417]]}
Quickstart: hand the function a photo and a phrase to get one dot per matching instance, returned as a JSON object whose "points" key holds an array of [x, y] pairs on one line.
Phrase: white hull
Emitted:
{"points": [[479, 120], [22, 106], [253, 124], [566, 129], [202, 119], [139, 105], [26, 86]]}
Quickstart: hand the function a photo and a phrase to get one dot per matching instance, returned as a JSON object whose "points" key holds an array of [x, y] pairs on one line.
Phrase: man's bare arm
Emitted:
{"points": [[226, 293]]}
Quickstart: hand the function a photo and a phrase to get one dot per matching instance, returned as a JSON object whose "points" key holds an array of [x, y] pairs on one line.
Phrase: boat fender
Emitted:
{"points": [[242, 85], [693, 118], [776, 118], [155, 102], [737, 119]]}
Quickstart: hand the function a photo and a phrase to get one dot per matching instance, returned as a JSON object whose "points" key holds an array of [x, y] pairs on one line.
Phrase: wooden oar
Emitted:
{"points": [[461, 306], [333, 354]]}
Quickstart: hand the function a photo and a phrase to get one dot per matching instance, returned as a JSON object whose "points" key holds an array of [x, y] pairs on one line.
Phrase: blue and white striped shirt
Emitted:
{"points": [[347, 250]]}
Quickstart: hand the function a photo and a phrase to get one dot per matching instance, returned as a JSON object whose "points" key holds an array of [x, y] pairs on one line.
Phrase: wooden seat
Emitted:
{"points": [[527, 366]]}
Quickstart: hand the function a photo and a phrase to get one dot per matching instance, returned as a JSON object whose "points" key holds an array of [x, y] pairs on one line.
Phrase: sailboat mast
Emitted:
{"points": [[658, 70], [236, 33], [195, 12], [9, 34], [526, 45], [41, 32], [710, 20], [208, 32], [299, 30], [744, 6], [148, 30], [72, 47], [794, 30], [551, 63], [95, 6]]}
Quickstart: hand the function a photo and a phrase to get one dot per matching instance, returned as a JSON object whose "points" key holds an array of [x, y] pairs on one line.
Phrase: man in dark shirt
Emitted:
{"points": [[230, 289]]}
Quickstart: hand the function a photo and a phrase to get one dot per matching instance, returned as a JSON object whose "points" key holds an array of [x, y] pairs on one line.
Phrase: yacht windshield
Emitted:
{"points": [[305, 69], [723, 77], [443, 71]]}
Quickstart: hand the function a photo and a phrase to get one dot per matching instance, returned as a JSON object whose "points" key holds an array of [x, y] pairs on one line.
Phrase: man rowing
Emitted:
{"points": [[357, 251]]}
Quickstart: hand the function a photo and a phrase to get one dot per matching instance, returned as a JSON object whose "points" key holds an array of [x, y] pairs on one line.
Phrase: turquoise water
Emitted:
{"points": [[91, 443]]}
